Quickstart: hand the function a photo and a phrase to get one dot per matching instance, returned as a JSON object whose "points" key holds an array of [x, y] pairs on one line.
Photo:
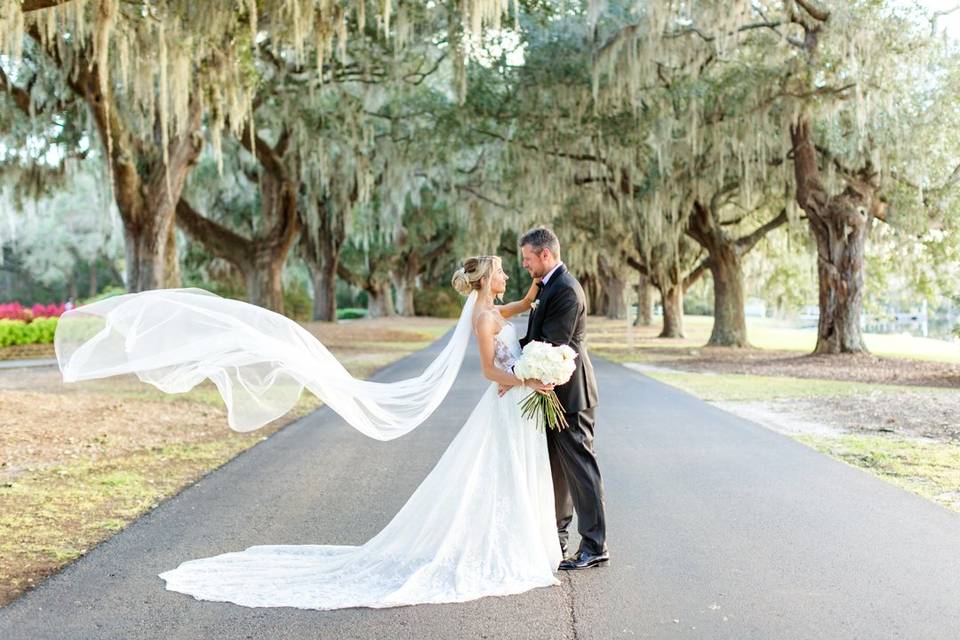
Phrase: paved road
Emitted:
{"points": [[30, 362], [719, 529]]}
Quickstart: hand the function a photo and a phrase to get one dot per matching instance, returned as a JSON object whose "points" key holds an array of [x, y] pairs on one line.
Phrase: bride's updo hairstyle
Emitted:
{"points": [[468, 278]]}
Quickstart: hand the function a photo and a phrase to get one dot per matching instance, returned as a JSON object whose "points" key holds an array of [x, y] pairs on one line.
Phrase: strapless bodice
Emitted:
{"points": [[507, 347]]}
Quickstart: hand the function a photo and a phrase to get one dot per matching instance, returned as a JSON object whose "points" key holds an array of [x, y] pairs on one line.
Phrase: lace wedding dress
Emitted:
{"points": [[481, 524]]}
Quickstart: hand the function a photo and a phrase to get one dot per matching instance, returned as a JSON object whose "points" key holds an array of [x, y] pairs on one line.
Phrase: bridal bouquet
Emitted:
{"points": [[552, 365]]}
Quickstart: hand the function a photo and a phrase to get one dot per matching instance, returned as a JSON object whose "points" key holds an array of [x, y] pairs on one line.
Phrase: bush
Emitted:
{"points": [[16, 311], [439, 302], [17, 332], [697, 308], [351, 313]]}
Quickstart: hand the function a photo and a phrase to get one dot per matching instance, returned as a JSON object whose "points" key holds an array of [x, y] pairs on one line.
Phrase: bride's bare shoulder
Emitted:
{"points": [[486, 322]]}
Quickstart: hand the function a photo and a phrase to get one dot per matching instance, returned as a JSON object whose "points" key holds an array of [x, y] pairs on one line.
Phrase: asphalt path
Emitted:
{"points": [[718, 528]]}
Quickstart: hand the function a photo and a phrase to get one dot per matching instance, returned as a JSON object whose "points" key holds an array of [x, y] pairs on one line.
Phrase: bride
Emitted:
{"points": [[481, 523]]}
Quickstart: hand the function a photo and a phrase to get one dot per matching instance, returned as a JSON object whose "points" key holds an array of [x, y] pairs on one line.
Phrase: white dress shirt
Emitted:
{"points": [[544, 279]]}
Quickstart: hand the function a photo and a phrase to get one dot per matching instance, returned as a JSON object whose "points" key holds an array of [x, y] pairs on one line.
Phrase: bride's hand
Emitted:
{"points": [[532, 291], [539, 386]]}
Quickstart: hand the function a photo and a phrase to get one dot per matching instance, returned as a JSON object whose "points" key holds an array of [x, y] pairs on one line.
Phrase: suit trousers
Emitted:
{"points": [[577, 485]]}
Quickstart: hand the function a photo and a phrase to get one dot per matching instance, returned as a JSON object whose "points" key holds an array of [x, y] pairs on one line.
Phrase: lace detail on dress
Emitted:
{"points": [[506, 348]]}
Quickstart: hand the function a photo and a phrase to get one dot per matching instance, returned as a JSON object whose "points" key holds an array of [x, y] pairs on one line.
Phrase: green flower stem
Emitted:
{"points": [[545, 409]]}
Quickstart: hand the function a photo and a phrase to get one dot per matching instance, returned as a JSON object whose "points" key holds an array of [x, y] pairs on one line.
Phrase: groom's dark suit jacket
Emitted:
{"points": [[560, 318]]}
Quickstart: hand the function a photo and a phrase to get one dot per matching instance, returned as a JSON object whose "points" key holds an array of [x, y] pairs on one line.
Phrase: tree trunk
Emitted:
{"points": [[260, 260], [614, 298], [644, 303], [404, 281], [263, 278], [840, 226], [324, 276], [321, 252], [592, 291], [726, 265], [144, 257], [146, 185], [729, 321], [171, 270], [840, 279], [671, 282], [405, 289], [612, 294], [262, 257], [380, 301], [92, 282], [672, 298], [146, 190], [147, 208]]}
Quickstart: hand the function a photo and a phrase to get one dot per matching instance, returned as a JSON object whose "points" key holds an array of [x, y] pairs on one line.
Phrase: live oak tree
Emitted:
{"points": [[840, 84], [154, 74]]}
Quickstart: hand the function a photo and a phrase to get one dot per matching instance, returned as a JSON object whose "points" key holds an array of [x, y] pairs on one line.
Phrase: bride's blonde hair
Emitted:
{"points": [[470, 276]]}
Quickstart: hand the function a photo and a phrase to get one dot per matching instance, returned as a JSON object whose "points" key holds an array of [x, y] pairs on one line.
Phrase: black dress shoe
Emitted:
{"points": [[584, 560]]}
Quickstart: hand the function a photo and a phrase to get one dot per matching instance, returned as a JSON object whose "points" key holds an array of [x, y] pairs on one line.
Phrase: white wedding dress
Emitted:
{"points": [[481, 524]]}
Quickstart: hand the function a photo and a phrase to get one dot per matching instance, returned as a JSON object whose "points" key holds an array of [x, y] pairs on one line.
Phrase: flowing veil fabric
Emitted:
{"points": [[482, 523], [259, 360]]}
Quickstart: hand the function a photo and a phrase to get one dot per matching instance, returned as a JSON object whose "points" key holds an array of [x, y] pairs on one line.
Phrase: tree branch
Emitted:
{"points": [[813, 10], [263, 152], [20, 97], [584, 157], [747, 242], [216, 238], [480, 196], [36, 5], [636, 264], [694, 275]]}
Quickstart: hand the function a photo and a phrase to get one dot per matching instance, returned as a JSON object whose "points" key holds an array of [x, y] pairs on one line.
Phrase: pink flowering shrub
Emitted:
{"points": [[48, 310], [16, 311]]}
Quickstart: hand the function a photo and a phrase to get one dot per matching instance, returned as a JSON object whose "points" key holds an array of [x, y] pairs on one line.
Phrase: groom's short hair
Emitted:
{"points": [[540, 238]]}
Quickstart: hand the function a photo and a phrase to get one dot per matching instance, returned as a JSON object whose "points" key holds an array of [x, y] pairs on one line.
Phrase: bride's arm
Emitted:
{"points": [[521, 305]]}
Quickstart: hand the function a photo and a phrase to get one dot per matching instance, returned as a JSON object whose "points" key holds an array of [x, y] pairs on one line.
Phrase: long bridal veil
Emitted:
{"points": [[259, 360]]}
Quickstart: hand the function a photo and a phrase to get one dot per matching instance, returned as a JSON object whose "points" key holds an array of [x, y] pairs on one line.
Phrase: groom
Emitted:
{"points": [[559, 317]]}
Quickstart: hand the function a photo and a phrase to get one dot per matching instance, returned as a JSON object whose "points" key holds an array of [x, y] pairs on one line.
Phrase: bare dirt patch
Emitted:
{"points": [[851, 367], [616, 340]]}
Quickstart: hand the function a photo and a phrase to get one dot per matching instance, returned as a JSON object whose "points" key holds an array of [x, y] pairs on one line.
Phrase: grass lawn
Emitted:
{"points": [[763, 333], [735, 387]]}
